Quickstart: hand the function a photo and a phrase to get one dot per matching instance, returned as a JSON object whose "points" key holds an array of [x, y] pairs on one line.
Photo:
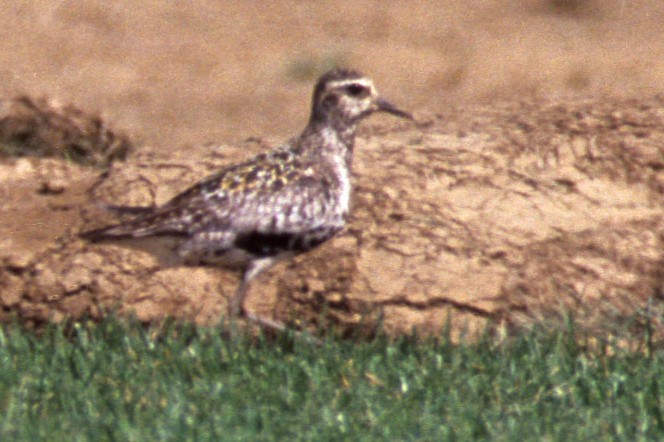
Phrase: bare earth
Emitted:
{"points": [[530, 185]]}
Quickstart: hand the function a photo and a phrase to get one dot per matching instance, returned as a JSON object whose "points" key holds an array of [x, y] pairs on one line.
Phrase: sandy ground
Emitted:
{"points": [[512, 84], [177, 73]]}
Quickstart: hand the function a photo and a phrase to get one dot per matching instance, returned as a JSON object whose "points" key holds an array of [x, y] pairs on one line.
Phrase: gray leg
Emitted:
{"points": [[236, 304]]}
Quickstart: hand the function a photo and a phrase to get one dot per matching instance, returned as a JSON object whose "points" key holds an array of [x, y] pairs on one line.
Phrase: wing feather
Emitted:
{"points": [[267, 195]]}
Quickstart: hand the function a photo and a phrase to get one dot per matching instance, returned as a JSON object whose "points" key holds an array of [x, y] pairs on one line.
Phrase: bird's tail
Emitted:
{"points": [[107, 233], [116, 231], [126, 210]]}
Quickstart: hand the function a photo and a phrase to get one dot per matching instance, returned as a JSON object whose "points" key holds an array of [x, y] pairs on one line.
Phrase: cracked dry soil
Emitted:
{"points": [[504, 215]]}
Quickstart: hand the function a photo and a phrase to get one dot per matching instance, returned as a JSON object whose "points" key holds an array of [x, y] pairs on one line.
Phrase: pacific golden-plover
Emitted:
{"points": [[272, 206]]}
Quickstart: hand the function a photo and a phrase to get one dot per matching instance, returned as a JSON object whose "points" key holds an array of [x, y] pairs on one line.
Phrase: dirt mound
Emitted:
{"points": [[509, 214], [46, 128]]}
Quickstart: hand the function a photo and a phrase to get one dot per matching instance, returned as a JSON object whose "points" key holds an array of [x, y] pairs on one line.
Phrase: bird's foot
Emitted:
{"points": [[236, 310], [270, 324]]}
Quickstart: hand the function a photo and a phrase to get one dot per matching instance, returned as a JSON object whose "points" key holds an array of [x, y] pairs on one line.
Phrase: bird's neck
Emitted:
{"points": [[327, 139]]}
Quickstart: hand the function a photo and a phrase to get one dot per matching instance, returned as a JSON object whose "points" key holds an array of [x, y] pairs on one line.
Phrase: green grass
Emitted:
{"points": [[119, 381]]}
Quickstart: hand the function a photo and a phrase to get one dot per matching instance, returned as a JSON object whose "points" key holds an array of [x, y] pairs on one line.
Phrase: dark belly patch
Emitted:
{"points": [[269, 244]]}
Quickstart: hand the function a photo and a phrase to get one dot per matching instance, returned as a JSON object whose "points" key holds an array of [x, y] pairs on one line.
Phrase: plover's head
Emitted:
{"points": [[347, 96]]}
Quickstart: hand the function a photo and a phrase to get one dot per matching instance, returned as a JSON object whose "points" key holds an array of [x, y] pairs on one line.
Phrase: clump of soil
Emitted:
{"points": [[45, 128]]}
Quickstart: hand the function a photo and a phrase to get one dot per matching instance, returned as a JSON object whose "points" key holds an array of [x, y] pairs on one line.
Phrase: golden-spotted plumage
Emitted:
{"points": [[274, 205]]}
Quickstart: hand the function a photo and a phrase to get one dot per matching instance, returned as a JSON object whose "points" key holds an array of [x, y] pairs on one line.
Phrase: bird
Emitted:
{"points": [[270, 207]]}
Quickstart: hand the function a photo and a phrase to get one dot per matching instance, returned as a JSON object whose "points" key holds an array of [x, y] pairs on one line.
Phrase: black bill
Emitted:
{"points": [[386, 106]]}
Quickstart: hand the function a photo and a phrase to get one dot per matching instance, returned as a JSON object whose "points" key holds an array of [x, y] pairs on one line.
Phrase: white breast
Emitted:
{"points": [[344, 184]]}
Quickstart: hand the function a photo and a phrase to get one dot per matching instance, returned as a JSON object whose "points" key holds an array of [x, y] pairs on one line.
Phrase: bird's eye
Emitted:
{"points": [[357, 90]]}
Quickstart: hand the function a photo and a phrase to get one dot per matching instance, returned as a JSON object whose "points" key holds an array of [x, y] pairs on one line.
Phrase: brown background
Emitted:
{"points": [[532, 183], [174, 73]]}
